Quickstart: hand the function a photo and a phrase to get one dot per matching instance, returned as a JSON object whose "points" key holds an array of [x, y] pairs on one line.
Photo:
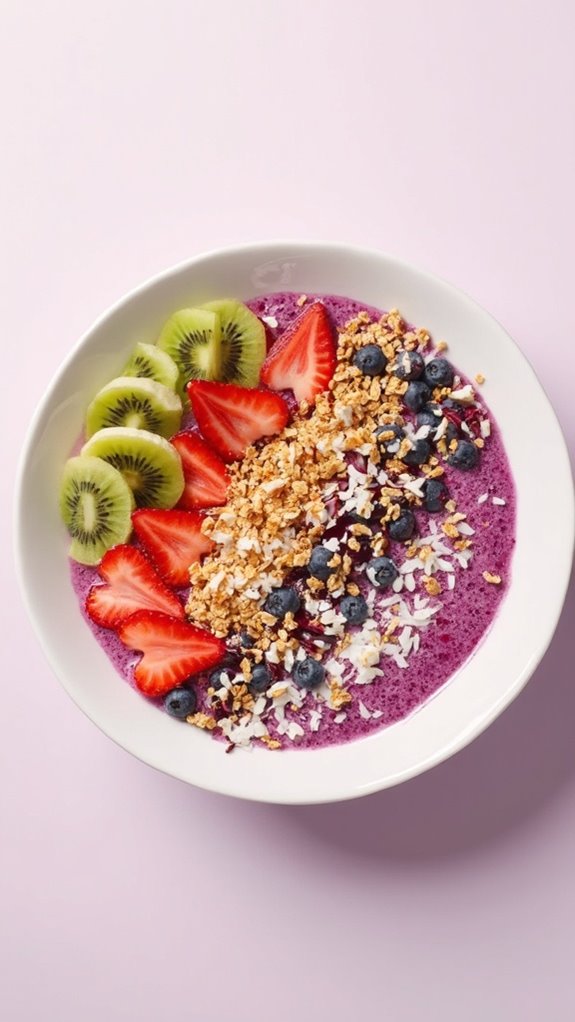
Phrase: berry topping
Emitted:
{"points": [[216, 678], [439, 373], [402, 528], [231, 418], [303, 358], [318, 565], [354, 609], [389, 438], [246, 641], [382, 572], [308, 673], [418, 454], [260, 679], [206, 478], [180, 702], [282, 601], [429, 416], [409, 365], [465, 457], [417, 395], [173, 540], [172, 650], [132, 584], [434, 495], [370, 360]]}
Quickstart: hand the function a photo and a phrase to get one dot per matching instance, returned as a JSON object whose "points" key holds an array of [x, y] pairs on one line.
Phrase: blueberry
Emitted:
{"points": [[390, 445], [418, 454], [318, 566], [358, 519], [308, 673], [246, 641], [260, 679], [180, 703], [215, 678], [402, 528], [354, 609], [370, 360], [381, 571], [282, 601], [417, 395], [434, 495], [439, 373], [409, 365], [451, 433], [429, 416], [465, 457]]}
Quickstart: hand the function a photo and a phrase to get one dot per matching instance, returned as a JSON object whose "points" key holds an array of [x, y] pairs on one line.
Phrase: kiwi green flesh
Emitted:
{"points": [[150, 362], [243, 342], [96, 506], [149, 464], [192, 337], [137, 403]]}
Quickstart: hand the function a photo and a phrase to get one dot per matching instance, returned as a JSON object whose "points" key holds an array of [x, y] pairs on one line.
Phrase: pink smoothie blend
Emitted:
{"points": [[486, 495]]}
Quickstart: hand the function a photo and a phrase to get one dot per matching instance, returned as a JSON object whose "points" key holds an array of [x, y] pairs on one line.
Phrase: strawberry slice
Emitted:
{"points": [[303, 359], [133, 584], [232, 417], [173, 540], [172, 650], [206, 477]]}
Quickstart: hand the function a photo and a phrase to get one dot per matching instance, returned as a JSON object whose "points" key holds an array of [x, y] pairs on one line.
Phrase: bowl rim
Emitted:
{"points": [[268, 249]]}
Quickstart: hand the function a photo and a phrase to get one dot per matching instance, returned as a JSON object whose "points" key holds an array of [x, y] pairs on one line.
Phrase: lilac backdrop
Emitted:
{"points": [[135, 135]]}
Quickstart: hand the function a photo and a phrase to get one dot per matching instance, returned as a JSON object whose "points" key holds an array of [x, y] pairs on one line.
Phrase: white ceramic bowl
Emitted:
{"points": [[473, 697]]}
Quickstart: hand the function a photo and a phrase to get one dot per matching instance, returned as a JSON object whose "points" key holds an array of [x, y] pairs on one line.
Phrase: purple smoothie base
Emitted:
{"points": [[467, 611]]}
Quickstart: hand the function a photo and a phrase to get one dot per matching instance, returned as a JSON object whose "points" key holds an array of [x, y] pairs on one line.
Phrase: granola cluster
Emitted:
{"points": [[276, 506]]}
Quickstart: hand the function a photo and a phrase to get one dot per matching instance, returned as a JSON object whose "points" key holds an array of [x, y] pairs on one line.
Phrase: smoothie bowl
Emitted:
{"points": [[279, 503]]}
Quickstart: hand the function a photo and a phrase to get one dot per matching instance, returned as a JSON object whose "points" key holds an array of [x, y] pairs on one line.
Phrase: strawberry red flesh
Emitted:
{"points": [[132, 584], [303, 359], [173, 540], [231, 418], [172, 650], [206, 477]]}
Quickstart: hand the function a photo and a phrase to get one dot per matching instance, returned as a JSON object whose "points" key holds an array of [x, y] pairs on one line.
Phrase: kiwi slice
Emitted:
{"points": [[150, 362], [149, 464], [192, 337], [243, 342], [96, 505], [137, 403]]}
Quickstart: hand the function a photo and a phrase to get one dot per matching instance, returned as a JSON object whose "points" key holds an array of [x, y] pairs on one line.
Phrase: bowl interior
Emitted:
{"points": [[472, 698]]}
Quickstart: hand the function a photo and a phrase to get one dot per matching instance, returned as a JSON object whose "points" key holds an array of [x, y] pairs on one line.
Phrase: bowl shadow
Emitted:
{"points": [[482, 794]]}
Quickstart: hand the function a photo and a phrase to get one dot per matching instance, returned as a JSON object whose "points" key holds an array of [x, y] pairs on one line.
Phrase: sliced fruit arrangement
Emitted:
{"points": [[303, 359], [206, 477], [243, 342], [150, 465], [173, 540], [150, 362], [137, 403], [231, 417], [212, 354], [172, 650], [132, 584], [96, 505]]}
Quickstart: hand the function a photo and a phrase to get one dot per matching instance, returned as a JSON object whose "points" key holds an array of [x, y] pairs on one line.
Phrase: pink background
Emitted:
{"points": [[134, 136]]}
